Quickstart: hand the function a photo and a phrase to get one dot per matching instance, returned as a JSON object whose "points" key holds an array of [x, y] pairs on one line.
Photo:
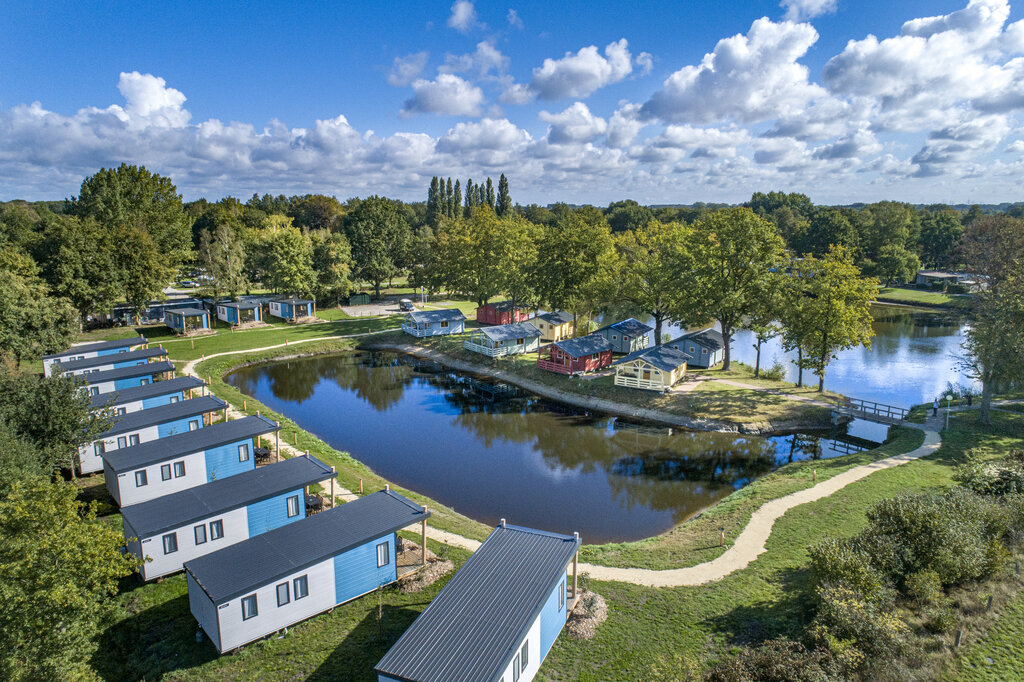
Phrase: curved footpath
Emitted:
{"points": [[750, 543]]}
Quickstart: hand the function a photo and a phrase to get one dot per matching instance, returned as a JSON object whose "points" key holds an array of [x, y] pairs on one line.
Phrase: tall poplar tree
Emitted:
{"points": [[489, 199], [504, 200]]}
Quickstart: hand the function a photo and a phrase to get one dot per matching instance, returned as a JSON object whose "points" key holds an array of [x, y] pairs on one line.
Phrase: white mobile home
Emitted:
{"points": [[151, 470], [97, 383], [292, 309], [103, 363], [170, 530], [422, 323], [92, 350], [497, 618], [272, 581], [144, 397]]}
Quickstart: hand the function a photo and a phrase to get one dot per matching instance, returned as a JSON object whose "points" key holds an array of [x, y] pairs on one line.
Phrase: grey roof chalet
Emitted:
{"points": [[162, 414], [96, 347], [504, 332], [241, 305], [556, 317], [157, 388], [99, 360], [712, 338], [503, 306], [630, 327], [448, 314], [664, 358], [163, 449], [216, 497], [471, 629], [584, 345], [148, 369], [242, 567], [188, 312], [291, 301]]}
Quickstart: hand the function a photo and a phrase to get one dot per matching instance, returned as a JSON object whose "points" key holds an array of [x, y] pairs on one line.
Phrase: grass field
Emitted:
{"points": [[923, 297]]}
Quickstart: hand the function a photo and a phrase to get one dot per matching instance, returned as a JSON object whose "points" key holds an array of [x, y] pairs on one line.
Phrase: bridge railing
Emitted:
{"points": [[872, 407]]}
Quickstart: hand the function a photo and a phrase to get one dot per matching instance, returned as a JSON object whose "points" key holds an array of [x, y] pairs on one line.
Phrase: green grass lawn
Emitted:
{"points": [[923, 297]]}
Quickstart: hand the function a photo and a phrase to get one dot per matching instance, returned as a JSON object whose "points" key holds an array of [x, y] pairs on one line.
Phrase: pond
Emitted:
{"points": [[491, 450]]}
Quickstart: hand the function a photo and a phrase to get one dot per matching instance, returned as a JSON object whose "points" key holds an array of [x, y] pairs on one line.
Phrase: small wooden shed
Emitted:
{"points": [[574, 356], [505, 339], [706, 348], [187, 320], [553, 326], [654, 369], [627, 336], [502, 312], [362, 298], [420, 323]]}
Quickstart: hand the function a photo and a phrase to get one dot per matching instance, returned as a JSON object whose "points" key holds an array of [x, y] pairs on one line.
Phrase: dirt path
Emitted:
{"points": [[750, 543]]}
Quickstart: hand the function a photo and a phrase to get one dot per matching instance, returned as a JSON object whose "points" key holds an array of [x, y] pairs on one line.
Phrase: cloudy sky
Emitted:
{"points": [[663, 102]]}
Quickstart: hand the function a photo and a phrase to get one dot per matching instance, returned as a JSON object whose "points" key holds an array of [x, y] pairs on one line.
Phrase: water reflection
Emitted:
{"points": [[491, 450]]}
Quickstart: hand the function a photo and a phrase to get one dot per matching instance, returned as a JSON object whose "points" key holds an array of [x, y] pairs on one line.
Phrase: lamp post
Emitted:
{"points": [[949, 399]]}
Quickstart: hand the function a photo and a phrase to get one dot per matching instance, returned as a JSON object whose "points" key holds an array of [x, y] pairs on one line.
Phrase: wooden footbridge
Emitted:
{"points": [[869, 411]]}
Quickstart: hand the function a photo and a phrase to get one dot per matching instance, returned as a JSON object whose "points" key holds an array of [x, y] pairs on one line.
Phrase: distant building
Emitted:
{"points": [[181, 526], [292, 309], [575, 356], [422, 323], [103, 363], [153, 313], [505, 339], [272, 581], [553, 326], [144, 397], [627, 336], [187, 320], [502, 312], [706, 348], [655, 369], [497, 619], [92, 350], [240, 312], [109, 380]]}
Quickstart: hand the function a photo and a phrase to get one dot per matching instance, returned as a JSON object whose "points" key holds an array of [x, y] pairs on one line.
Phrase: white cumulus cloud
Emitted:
{"points": [[405, 70], [463, 17], [448, 95], [580, 74], [799, 10], [573, 125]]}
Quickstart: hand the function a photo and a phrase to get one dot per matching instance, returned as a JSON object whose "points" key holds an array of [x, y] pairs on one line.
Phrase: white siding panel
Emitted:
{"points": [[236, 529], [203, 610], [533, 664], [195, 474], [90, 462]]}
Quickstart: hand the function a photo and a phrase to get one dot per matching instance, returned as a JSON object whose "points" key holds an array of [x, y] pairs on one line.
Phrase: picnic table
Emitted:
{"points": [[263, 455], [314, 504]]}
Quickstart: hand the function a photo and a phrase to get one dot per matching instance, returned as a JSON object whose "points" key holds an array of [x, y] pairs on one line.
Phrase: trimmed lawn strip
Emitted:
{"points": [[924, 297]]}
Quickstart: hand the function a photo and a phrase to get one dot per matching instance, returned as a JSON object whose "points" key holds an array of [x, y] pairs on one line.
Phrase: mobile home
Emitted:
{"points": [[187, 320], [92, 350], [553, 326], [157, 468], [292, 309], [272, 581], [706, 348], [505, 339], [502, 312], [575, 356], [144, 397], [103, 363], [147, 425], [497, 618], [166, 532], [627, 336], [240, 312], [97, 383], [434, 322], [655, 369]]}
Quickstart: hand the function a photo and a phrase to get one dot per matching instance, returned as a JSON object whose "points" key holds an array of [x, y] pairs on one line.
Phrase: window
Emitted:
{"points": [[141, 363], [94, 390], [595, 356], [515, 669], [193, 425], [625, 338], [444, 324], [175, 398], [122, 441], [200, 532], [519, 342], [133, 439], [704, 351], [165, 472], [243, 452], [99, 447], [282, 594], [561, 596], [249, 607], [179, 469], [383, 554], [145, 381], [691, 349], [121, 411], [293, 506], [300, 587], [170, 543], [216, 529], [140, 478], [525, 655]]}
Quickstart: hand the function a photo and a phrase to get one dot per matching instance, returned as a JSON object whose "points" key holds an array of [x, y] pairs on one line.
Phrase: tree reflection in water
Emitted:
{"points": [[490, 449]]}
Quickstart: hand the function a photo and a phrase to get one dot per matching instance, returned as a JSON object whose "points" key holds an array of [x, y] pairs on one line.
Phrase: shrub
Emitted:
{"points": [[845, 562], [777, 372], [1002, 476], [778, 660], [939, 619], [924, 587]]}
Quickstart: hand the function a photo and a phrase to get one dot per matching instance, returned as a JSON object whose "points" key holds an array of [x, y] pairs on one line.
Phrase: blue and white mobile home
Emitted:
{"points": [[627, 336], [187, 320], [144, 397], [147, 425], [706, 348], [422, 323], [107, 362], [97, 383], [157, 468], [257, 587], [506, 339], [170, 530], [240, 312], [497, 618], [92, 350], [292, 309]]}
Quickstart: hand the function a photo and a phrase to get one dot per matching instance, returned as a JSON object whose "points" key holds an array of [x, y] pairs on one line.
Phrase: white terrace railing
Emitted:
{"points": [[636, 382], [498, 352]]}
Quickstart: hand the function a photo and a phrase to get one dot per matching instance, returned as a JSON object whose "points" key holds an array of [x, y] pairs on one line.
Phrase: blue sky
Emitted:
{"points": [[583, 102]]}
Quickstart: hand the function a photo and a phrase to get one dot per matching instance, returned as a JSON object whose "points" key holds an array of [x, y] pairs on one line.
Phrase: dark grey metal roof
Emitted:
{"points": [[99, 360], [630, 326], [149, 369], [244, 305], [584, 345], [504, 306], [436, 315], [223, 495], [102, 345], [163, 449], [663, 357], [471, 629], [556, 317], [187, 312], [163, 414], [127, 395], [516, 330], [291, 301], [712, 338], [247, 565]]}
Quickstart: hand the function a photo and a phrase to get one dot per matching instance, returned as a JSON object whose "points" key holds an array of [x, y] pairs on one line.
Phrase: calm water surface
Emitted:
{"points": [[493, 451]]}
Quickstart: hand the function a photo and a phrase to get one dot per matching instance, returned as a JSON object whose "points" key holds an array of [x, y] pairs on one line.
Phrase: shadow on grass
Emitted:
{"points": [[366, 644], [151, 643], [753, 624]]}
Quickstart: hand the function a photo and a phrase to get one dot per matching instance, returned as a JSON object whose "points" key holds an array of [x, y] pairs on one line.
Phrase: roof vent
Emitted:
{"points": [[502, 524]]}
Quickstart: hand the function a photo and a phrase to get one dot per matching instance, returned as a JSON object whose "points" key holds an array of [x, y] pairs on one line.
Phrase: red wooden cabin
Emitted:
{"points": [[573, 356], [501, 312]]}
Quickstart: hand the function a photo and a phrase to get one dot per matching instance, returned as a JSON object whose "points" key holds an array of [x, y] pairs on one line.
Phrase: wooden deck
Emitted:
{"points": [[554, 366]]}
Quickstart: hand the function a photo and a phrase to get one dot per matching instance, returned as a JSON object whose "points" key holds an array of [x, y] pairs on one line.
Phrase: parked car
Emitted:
{"points": [[406, 306]]}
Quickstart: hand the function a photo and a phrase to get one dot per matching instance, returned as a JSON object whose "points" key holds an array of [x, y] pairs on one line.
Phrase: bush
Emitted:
{"points": [[1003, 476], [846, 562], [939, 619], [779, 660], [777, 372], [924, 587]]}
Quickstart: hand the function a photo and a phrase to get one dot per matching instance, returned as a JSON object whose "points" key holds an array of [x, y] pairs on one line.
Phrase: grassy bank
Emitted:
{"points": [[924, 297]]}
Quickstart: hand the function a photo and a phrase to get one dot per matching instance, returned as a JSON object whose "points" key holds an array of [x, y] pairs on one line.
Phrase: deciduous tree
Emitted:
{"points": [[291, 262]]}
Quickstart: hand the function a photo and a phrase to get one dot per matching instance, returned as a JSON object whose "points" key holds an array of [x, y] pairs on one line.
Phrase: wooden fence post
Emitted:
{"points": [[277, 438]]}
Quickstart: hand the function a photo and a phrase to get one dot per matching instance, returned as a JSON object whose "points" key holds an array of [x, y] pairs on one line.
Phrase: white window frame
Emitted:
{"points": [[165, 472], [243, 452], [175, 398], [193, 425], [383, 554], [561, 596], [133, 439], [303, 582]]}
